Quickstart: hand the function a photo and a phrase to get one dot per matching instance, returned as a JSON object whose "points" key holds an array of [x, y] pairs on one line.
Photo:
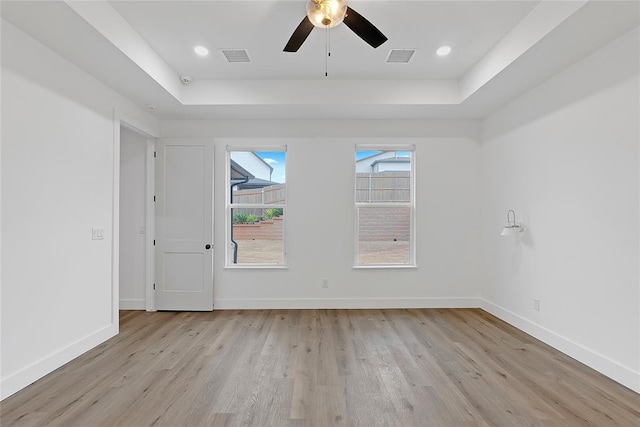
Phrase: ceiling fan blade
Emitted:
{"points": [[363, 28], [299, 35]]}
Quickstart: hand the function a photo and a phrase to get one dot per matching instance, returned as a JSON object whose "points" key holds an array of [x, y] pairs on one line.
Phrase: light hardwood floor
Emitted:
{"points": [[428, 367]]}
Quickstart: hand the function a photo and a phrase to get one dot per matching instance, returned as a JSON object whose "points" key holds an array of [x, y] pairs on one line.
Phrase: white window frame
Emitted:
{"points": [[411, 205], [229, 206]]}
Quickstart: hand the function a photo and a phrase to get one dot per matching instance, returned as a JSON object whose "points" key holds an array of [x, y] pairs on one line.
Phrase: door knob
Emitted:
{"points": [[207, 246]]}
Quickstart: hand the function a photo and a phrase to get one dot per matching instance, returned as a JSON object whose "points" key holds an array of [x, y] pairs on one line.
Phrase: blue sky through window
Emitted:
{"points": [[363, 154], [276, 159]]}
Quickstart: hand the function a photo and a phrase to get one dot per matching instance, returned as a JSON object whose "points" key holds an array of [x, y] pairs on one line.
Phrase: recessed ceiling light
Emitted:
{"points": [[201, 50], [443, 50]]}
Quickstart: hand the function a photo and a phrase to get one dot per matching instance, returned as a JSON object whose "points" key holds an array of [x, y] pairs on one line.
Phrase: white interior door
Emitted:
{"points": [[184, 225]]}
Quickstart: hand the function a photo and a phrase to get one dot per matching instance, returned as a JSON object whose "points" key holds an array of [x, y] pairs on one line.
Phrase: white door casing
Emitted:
{"points": [[184, 225]]}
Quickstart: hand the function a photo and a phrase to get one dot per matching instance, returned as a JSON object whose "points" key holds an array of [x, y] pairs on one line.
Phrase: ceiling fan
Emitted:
{"points": [[328, 14]]}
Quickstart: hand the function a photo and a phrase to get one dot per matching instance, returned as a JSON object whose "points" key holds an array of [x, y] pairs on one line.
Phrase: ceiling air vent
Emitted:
{"points": [[400, 55], [236, 55]]}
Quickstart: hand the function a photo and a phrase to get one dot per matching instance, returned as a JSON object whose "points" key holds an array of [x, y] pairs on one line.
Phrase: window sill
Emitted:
{"points": [[386, 266], [256, 267]]}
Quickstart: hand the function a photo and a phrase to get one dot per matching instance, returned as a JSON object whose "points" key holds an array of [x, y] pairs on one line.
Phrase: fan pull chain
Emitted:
{"points": [[327, 51]]}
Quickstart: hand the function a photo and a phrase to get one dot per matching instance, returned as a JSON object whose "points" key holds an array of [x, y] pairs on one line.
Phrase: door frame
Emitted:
{"points": [[150, 227], [149, 217]]}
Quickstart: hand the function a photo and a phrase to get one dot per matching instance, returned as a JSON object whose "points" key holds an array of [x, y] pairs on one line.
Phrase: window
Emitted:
{"points": [[384, 206], [256, 206]]}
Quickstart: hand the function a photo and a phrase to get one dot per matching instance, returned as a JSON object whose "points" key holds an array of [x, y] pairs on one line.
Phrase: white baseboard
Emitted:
{"points": [[344, 303], [21, 379], [612, 369], [132, 304]]}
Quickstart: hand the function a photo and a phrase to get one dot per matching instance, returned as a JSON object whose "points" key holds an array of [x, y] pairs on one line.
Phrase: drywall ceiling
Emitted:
{"points": [[263, 28], [499, 50]]}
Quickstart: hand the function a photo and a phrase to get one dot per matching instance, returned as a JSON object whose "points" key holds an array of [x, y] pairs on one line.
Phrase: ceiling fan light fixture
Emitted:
{"points": [[326, 13]]}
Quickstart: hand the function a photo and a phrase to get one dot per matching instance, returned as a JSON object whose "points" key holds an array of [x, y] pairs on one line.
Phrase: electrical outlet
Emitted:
{"points": [[325, 283], [97, 234], [536, 304]]}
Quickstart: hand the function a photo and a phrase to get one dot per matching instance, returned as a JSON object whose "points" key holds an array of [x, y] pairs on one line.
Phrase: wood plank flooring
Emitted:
{"points": [[428, 367]]}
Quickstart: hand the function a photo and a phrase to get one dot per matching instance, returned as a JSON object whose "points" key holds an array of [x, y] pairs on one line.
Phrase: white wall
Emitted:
{"points": [[320, 222], [58, 160], [565, 157], [133, 151]]}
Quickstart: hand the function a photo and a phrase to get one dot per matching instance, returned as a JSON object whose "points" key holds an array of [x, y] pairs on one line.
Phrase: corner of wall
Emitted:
{"points": [[49, 363], [612, 369]]}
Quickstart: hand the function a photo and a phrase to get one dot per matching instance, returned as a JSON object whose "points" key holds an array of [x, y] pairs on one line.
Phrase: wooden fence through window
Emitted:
{"points": [[378, 187], [383, 187], [273, 194]]}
